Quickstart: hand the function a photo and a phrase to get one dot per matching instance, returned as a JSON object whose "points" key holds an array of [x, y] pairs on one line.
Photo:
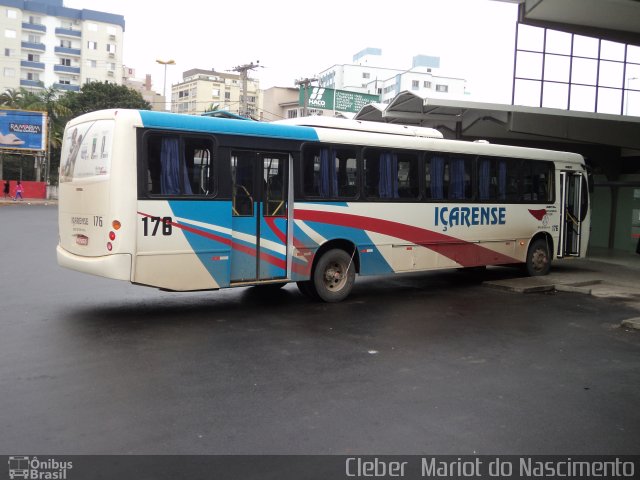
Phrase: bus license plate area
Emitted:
{"points": [[82, 240]]}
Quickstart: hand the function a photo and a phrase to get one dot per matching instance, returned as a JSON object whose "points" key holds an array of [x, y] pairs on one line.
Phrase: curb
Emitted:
{"points": [[631, 323], [520, 288]]}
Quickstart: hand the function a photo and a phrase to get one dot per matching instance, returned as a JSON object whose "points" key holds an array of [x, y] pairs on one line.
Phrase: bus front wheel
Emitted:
{"points": [[538, 258], [333, 276]]}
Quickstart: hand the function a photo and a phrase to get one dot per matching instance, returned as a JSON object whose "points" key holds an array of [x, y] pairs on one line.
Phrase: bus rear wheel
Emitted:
{"points": [[538, 258], [333, 276]]}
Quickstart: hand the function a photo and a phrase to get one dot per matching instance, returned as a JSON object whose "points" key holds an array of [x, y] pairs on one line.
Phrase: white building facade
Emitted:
{"points": [[368, 74], [45, 44]]}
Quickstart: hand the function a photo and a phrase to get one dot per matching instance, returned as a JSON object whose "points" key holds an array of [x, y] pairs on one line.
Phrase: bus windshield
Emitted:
{"points": [[86, 151]]}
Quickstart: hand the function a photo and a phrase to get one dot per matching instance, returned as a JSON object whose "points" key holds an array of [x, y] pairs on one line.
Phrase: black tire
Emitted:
{"points": [[538, 258], [307, 289], [333, 276]]}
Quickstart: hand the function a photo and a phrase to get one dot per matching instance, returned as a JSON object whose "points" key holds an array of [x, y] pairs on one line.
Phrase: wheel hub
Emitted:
{"points": [[539, 259]]}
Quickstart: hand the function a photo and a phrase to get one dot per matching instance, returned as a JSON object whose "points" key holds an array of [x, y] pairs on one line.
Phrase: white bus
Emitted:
{"points": [[188, 203]]}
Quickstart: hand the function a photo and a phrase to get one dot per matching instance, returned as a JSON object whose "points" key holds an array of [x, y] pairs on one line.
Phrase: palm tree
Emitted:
{"points": [[12, 98]]}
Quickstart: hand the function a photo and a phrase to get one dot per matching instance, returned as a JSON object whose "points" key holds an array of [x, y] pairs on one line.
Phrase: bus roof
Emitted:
{"points": [[174, 121], [363, 126], [322, 129]]}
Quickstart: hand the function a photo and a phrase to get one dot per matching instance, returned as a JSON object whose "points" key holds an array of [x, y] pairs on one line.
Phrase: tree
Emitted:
{"points": [[12, 98], [99, 96]]}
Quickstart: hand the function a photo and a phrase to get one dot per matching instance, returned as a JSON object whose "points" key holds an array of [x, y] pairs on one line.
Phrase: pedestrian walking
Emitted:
{"points": [[6, 189], [18, 191]]}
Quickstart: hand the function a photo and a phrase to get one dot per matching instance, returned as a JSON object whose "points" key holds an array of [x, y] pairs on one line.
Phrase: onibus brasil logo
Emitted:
{"points": [[36, 469]]}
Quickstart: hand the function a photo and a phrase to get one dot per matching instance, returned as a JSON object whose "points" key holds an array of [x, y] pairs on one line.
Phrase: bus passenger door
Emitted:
{"points": [[259, 216], [571, 213]]}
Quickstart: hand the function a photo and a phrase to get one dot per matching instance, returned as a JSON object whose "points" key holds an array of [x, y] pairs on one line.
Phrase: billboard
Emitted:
{"points": [[339, 100], [23, 130]]}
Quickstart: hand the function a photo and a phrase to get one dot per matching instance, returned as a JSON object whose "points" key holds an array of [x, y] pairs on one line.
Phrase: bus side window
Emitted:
{"points": [[243, 167], [153, 167], [390, 174], [537, 181], [497, 181], [179, 165], [199, 161], [346, 173], [435, 178], [408, 185], [459, 178], [329, 172], [311, 171]]}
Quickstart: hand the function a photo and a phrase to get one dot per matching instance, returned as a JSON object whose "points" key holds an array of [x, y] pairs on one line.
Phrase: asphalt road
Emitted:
{"points": [[431, 363]]}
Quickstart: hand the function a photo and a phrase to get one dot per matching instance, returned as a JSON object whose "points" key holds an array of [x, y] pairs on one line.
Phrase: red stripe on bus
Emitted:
{"points": [[271, 221], [465, 253], [227, 241]]}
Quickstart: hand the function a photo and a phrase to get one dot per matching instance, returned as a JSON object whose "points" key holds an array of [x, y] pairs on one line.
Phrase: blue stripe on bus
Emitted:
{"points": [[206, 248], [371, 263], [174, 121]]}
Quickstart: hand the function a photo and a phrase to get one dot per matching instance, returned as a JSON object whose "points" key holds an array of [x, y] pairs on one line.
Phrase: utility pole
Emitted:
{"points": [[242, 70], [305, 83]]}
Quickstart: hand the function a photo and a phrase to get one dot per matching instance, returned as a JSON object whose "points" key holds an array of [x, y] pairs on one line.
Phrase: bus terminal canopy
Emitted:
{"points": [[615, 20], [474, 120]]}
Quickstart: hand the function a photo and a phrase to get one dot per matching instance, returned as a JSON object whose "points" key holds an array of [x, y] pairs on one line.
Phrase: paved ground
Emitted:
{"points": [[423, 363]]}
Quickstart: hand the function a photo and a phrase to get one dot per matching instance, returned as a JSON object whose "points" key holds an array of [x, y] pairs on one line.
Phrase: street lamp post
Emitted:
{"points": [[164, 82]]}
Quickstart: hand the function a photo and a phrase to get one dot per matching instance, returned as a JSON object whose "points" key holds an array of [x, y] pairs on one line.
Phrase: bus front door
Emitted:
{"points": [[259, 216], [571, 213]]}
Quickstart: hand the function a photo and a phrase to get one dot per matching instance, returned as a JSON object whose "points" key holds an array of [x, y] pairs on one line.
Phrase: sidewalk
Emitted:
{"points": [[607, 274], [27, 201]]}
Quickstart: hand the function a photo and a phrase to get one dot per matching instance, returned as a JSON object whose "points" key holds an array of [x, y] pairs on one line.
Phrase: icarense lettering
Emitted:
{"points": [[470, 216]]}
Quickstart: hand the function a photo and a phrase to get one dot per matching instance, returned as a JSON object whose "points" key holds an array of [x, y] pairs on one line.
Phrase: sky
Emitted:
{"points": [[292, 40]]}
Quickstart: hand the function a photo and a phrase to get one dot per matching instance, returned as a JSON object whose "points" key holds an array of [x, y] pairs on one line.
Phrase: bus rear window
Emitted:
{"points": [[86, 151]]}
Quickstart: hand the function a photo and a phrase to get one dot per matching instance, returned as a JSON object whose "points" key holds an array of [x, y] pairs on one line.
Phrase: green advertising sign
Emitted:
{"points": [[352, 101], [340, 100]]}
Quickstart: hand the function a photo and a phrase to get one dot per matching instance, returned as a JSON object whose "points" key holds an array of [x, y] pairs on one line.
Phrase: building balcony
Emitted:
{"points": [[66, 87], [38, 47], [34, 27], [65, 69], [32, 65], [67, 32], [76, 52], [32, 83]]}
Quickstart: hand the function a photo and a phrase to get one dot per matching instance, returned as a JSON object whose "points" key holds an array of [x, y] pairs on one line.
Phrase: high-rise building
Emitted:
{"points": [[45, 44], [205, 90]]}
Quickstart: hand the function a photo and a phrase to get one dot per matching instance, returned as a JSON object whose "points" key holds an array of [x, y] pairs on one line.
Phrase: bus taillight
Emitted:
{"points": [[116, 225], [112, 236]]}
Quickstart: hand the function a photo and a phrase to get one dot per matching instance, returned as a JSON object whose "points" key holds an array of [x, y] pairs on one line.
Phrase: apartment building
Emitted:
{"points": [[204, 90], [45, 44], [371, 73]]}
